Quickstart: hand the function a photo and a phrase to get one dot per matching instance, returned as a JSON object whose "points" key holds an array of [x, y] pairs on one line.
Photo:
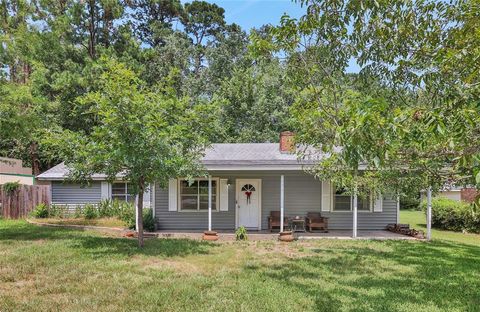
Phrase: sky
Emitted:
{"points": [[255, 13]]}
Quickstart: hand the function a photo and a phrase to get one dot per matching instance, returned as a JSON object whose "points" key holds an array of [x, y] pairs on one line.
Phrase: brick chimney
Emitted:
{"points": [[287, 144], [469, 194]]}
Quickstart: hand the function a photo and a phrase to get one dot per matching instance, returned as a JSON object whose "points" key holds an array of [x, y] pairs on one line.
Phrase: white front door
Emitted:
{"points": [[249, 203]]}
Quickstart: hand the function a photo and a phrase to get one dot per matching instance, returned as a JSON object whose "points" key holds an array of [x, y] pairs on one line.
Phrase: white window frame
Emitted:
{"points": [[217, 197], [126, 194], [334, 198]]}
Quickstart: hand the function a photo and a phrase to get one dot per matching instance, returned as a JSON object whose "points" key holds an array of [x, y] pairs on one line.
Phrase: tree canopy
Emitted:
{"points": [[410, 117], [53, 53], [142, 134]]}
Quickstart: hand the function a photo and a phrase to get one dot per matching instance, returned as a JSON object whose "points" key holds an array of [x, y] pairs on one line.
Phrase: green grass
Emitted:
{"points": [[417, 220], [51, 269]]}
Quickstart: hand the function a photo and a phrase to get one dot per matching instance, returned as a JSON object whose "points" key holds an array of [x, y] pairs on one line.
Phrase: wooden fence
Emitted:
{"points": [[20, 202]]}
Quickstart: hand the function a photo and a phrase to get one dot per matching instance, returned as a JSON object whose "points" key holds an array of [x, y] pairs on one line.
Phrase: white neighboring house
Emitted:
{"points": [[12, 170], [466, 194], [453, 193]]}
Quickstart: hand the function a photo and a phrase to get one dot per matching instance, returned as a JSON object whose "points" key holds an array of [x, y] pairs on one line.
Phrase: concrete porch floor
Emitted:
{"points": [[267, 235]]}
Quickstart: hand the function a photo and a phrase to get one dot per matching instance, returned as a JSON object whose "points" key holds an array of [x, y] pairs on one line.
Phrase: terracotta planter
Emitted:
{"points": [[130, 234], [210, 235], [286, 236]]}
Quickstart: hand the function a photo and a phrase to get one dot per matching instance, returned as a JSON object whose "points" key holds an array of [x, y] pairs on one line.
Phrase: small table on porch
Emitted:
{"points": [[297, 225]]}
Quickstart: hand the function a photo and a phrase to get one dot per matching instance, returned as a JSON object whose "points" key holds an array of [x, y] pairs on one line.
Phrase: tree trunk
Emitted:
{"points": [[13, 74], [35, 158], [92, 30], [140, 212], [198, 63], [26, 72], [107, 25]]}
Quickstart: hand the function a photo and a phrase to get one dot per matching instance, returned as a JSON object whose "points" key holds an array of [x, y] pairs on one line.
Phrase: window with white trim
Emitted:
{"points": [[193, 196], [120, 192], [344, 202]]}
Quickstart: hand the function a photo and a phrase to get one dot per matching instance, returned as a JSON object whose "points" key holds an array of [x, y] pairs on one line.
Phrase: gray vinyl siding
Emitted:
{"points": [[187, 220], [366, 220], [302, 195], [71, 193]]}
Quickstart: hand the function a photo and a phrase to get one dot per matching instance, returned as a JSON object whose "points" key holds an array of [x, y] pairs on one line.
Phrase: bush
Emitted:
{"points": [[10, 187], [78, 212], [58, 211], [453, 215], [90, 212], [128, 217], [109, 208], [41, 211], [409, 203], [126, 213], [148, 220]]}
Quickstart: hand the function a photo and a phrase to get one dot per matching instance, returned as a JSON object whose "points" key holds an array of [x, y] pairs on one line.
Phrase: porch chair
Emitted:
{"points": [[274, 220], [315, 220]]}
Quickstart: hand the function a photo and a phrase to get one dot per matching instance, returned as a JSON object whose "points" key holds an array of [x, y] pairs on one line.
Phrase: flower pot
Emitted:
{"points": [[130, 234], [286, 236], [210, 235]]}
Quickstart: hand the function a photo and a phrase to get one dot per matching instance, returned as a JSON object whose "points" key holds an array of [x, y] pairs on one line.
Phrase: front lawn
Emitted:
{"points": [[417, 220], [49, 269]]}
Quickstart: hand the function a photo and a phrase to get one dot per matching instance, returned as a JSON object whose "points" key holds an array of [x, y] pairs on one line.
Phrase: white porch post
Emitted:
{"points": [[429, 213], [398, 209], [209, 203], [136, 216], [355, 206], [282, 201]]}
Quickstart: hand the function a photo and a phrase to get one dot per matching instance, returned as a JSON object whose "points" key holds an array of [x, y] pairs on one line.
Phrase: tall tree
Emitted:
{"points": [[424, 123], [203, 21], [144, 135], [19, 42], [153, 19], [15, 34], [174, 55], [54, 52], [25, 116], [93, 23], [228, 52], [255, 103]]}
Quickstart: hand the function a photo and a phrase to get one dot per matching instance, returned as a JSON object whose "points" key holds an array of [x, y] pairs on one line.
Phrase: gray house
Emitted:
{"points": [[248, 182]]}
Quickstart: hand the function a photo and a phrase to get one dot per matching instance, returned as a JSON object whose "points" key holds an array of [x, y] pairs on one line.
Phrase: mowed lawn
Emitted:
{"points": [[51, 269], [417, 220]]}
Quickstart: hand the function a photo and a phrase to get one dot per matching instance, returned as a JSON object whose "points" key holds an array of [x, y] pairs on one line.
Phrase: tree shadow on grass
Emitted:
{"points": [[21, 230], [97, 245], [108, 246], [428, 276]]}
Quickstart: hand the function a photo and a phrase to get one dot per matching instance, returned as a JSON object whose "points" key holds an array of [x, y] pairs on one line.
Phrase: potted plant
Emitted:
{"points": [[241, 233]]}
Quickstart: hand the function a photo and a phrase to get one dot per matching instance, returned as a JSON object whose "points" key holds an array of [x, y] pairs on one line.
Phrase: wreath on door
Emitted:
{"points": [[248, 189]]}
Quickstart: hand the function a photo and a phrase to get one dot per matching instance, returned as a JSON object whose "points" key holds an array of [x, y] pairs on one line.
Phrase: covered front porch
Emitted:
{"points": [[229, 199]]}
